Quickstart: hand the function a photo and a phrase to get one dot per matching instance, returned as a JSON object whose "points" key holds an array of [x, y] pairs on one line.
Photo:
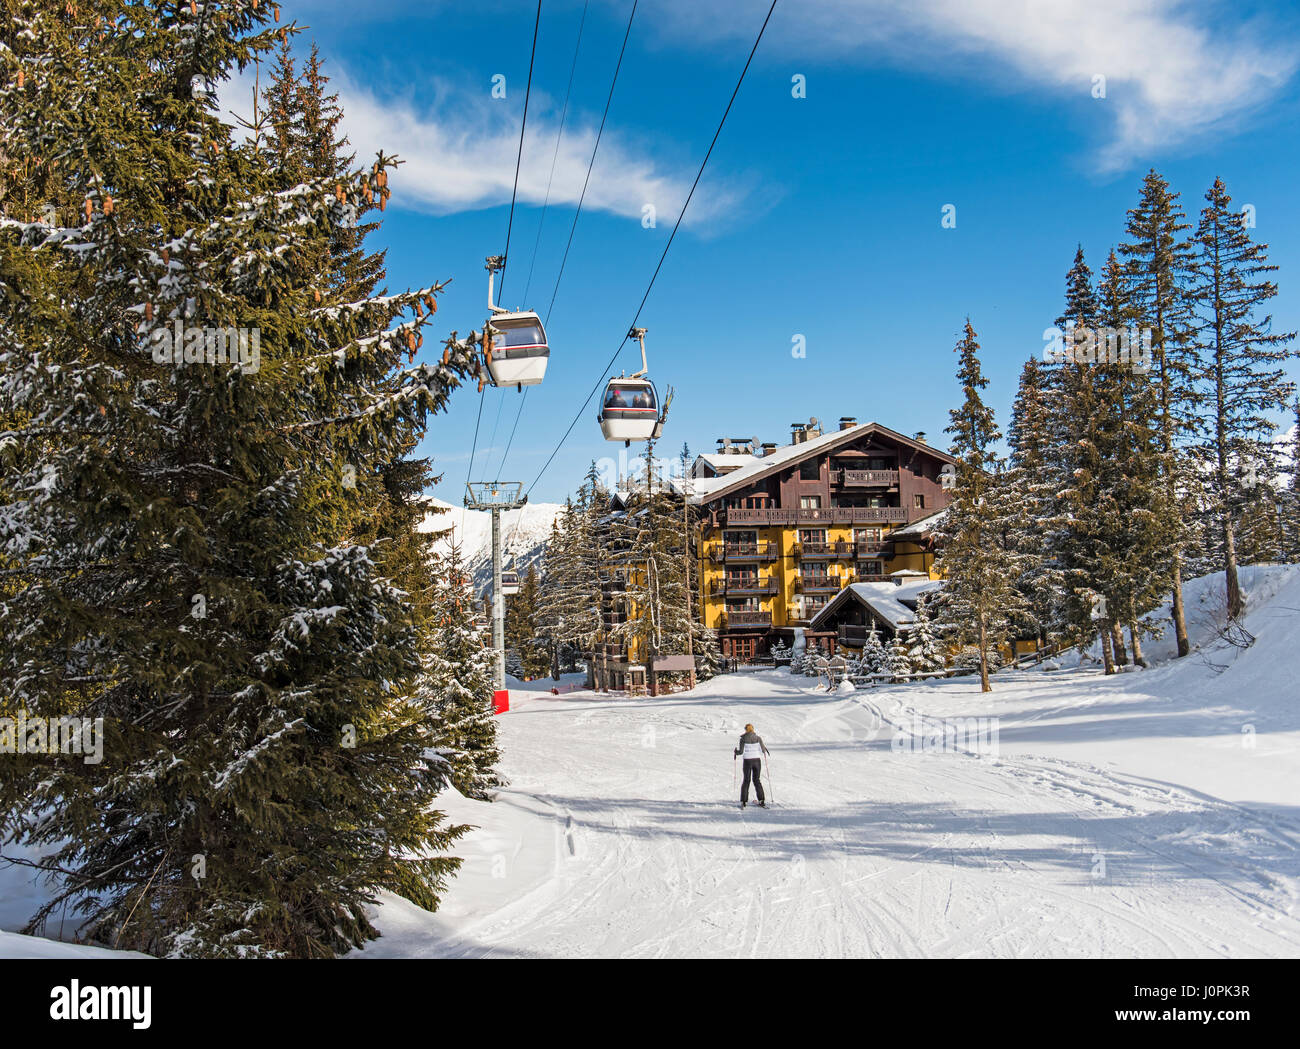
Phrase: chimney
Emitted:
{"points": [[847, 422], [920, 437], [798, 433], [769, 447]]}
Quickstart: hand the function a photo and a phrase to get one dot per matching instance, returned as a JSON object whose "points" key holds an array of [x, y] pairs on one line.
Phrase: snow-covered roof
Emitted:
{"points": [[792, 453], [884, 599], [920, 529], [727, 460]]}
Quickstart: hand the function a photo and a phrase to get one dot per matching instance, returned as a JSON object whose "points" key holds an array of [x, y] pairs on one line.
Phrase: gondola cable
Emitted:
{"points": [[578, 211], [550, 179], [601, 381], [519, 156], [555, 154], [591, 163], [528, 90]]}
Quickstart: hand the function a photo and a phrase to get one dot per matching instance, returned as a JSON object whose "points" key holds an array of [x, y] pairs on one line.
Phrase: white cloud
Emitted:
{"points": [[1171, 73], [459, 153]]}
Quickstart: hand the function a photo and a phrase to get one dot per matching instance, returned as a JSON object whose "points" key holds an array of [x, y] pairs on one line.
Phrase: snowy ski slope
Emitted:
{"points": [[1128, 816]]}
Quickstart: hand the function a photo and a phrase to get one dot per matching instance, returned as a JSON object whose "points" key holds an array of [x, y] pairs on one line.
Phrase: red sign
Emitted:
{"points": [[500, 701]]}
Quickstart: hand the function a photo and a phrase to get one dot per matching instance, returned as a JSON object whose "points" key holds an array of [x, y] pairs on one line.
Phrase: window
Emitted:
{"points": [[810, 470], [740, 540], [740, 577], [810, 502], [867, 535], [918, 500], [870, 569], [747, 604]]}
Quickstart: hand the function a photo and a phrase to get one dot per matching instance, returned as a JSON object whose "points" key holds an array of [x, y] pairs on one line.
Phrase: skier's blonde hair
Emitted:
{"points": [[749, 728]]}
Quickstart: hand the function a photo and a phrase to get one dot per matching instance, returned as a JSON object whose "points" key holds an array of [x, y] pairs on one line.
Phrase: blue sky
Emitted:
{"points": [[818, 216]]}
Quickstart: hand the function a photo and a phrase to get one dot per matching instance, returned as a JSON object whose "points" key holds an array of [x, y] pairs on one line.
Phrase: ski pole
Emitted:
{"points": [[770, 788]]}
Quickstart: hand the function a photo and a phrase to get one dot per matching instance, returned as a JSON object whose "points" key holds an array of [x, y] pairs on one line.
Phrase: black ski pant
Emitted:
{"points": [[753, 767]]}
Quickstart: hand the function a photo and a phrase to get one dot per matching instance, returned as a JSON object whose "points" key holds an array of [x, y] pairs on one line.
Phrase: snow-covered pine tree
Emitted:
{"points": [[651, 544], [1143, 529], [572, 591], [456, 684], [896, 660], [177, 529], [1157, 274], [532, 655], [874, 659], [1244, 372], [1035, 477], [978, 557], [1290, 525], [924, 653]]}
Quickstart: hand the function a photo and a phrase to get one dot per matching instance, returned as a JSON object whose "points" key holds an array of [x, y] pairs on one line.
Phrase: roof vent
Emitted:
{"points": [[919, 437]]}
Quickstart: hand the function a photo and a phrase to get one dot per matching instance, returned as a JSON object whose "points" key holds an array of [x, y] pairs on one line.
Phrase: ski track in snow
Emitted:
{"points": [[1063, 845], [1122, 817]]}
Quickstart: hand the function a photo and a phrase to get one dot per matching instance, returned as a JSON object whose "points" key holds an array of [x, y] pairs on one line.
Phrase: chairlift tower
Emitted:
{"points": [[495, 496]]}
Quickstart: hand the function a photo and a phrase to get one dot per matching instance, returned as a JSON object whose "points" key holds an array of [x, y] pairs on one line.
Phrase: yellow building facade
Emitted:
{"points": [[782, 530]]}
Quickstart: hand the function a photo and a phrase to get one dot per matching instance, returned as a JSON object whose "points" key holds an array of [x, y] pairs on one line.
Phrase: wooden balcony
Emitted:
{"points": [[744, 552], [854, 635], [748, 619], [808, 551], [865, 577], [835, 515], [745, 587], [819, 584], [865, 478]]}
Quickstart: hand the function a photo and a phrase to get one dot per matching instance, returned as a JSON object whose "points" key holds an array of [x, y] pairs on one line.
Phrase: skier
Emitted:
{"points": [[751, 746]]}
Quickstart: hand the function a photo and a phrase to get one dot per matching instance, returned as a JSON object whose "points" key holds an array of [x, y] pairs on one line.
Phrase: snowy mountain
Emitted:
{"points": [[523, 535]]}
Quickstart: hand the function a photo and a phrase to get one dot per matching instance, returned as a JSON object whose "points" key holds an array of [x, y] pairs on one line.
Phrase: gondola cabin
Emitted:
{"points": [[519, 350], [509, 583], [630, 411]]}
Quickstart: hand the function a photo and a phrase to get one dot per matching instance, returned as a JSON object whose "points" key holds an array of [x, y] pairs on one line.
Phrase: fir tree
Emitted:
{"points": [[896, 660], [1157, 272], [187, 570], [1244, 361], [978, 559], [1035, 477], [924, 654], [457, 682], [874, 660]]}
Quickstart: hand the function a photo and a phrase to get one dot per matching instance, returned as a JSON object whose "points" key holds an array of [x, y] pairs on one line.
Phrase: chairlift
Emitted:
{"points": [[630, 409], [514, 344]]}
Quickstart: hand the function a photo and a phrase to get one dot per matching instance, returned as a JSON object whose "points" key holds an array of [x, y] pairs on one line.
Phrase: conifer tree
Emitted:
{"points": [[1243, 360], [1035, 477], [924, 654], [457, 682], [1158, 261], [897, 662], [979, 559], [178, 528], [875, 660]]}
